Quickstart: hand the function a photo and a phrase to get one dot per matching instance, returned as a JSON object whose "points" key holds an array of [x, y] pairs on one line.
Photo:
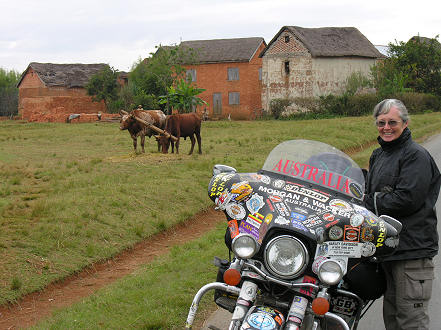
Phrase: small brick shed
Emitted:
{"points": [[52, 92]]}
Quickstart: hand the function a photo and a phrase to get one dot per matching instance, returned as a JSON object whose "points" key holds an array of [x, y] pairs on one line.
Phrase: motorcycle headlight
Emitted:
{"points": [[330, 272], [244, 246], [286, 256]]}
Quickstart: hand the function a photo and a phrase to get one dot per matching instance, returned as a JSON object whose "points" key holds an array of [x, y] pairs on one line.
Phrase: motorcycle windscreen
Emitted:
{"points": [[317, 163]]}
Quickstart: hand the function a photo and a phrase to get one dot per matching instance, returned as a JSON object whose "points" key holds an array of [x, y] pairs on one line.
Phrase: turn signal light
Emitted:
{"points": [[232, 276], [320, 306]]}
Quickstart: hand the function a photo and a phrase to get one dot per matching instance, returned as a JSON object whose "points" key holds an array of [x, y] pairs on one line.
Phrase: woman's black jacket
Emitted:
{"points": [[404, 182]]}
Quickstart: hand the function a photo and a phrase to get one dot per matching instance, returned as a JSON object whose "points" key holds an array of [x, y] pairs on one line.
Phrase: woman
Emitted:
{"points": [[404, 182]]}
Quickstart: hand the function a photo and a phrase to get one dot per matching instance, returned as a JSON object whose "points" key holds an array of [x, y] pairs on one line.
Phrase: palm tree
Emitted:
{"points": [[183, 97]]}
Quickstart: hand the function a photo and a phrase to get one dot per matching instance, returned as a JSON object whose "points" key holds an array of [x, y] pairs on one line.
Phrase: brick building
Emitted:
{"points": [[230, 72], [52, 92], [310, 62]]}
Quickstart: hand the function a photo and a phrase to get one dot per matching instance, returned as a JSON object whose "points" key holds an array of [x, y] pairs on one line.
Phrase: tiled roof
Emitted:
{"points": [[224, 50]]}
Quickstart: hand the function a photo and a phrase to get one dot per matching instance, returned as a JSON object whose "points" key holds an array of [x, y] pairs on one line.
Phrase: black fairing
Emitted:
{"points": [[316, 200]]}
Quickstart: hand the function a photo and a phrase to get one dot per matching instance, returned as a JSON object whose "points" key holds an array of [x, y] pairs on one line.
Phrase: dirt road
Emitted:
{"points": [[35, 306]]}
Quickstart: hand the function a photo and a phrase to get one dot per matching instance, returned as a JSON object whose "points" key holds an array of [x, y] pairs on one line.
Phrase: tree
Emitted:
{"points": [[8, 92], [155, 74], [388, 79], [103, 86], [131, 96], [183, 96], [414, 65]]}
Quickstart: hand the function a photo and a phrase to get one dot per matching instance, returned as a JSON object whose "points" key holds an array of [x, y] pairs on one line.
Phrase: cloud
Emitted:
{"points": [[119, 32]]}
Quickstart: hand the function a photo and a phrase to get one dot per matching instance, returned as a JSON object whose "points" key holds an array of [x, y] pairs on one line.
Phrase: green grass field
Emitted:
{"points": [[74, 194]]}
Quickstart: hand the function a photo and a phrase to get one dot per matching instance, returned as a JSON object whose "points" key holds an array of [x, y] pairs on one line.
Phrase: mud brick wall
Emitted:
{"points": [[53, 104], [308, 76]]}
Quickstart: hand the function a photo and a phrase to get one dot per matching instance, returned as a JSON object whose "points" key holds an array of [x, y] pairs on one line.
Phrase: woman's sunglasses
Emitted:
{"points": [[391, 123]]}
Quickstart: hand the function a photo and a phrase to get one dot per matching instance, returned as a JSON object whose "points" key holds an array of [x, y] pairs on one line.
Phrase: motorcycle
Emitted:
{"points": [[305, 249]]}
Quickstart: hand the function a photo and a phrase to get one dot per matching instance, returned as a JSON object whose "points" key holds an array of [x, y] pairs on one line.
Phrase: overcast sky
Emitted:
{"points": [[120, 32]]}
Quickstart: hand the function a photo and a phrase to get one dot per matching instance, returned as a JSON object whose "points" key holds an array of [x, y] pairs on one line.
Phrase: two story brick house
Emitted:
{"points": [[230, 72]]}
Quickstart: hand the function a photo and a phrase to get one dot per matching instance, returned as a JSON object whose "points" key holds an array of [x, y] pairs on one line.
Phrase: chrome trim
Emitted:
{"points": [[338, 319], [202, 291], [275, 280]]}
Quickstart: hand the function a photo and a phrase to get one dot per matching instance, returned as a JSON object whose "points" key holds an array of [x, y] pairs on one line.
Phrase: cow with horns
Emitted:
{"points": [[150, 119], [181, 125]]}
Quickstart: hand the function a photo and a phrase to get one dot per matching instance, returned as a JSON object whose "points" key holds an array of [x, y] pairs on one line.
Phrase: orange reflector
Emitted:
{"points": [[232, 276], [320, 305]]}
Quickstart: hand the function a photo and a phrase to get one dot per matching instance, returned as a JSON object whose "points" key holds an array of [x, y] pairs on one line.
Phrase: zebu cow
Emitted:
{"points": [[182, 125], [135, 128]]}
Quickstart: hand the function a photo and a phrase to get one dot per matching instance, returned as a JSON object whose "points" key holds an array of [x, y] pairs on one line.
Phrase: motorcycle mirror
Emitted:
{"points": [[393, 222], [219, 168]]}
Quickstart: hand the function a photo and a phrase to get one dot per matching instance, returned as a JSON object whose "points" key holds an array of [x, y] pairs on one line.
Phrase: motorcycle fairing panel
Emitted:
{"points": [[317, 195]]}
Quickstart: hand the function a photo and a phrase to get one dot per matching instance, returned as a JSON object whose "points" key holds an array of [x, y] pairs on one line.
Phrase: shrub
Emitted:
{"points": [[278, 106], [361, 105], [419, 102], [334, 105], [346, 105], [356, 81]]}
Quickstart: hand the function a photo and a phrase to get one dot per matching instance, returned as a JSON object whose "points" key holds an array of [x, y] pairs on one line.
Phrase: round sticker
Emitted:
{"points": [[351, 235], [268, 218], [335, 233], [279, 184], [236, 211], [263, 321], [265, 179], [357, 219], [367, 249]]}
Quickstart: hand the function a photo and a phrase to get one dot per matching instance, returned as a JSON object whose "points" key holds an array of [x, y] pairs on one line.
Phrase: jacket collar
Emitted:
{"points": [[388, 146]]}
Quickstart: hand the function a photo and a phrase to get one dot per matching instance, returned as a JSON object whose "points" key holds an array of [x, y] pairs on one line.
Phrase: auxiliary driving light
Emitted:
{"points": [[244, 246], [330, 271]]}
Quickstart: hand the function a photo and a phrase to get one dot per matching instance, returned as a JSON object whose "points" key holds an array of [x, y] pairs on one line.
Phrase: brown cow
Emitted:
{"points": [[182, 125], [135, 128]]}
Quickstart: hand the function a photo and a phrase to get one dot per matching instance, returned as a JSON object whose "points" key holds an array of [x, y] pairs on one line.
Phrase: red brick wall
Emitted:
{"points": [[54, 104], [293, 46], [214, 79]]}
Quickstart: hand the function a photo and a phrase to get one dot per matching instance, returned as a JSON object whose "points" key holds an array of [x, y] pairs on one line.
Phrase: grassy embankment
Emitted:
{"points": [[75, 194]]}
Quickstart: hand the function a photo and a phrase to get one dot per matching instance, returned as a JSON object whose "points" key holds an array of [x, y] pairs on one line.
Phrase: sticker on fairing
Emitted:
{"points": [[335, 233], [339, 248], [236, 211], [357, 220], [255, 203], [368, 249]]}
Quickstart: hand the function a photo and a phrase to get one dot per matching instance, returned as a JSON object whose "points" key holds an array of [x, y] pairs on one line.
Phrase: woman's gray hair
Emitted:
{"points": [[385, 106]]}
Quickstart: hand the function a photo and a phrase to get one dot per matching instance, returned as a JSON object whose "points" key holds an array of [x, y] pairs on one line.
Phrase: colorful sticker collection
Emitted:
{"points": [[254, 202]]}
